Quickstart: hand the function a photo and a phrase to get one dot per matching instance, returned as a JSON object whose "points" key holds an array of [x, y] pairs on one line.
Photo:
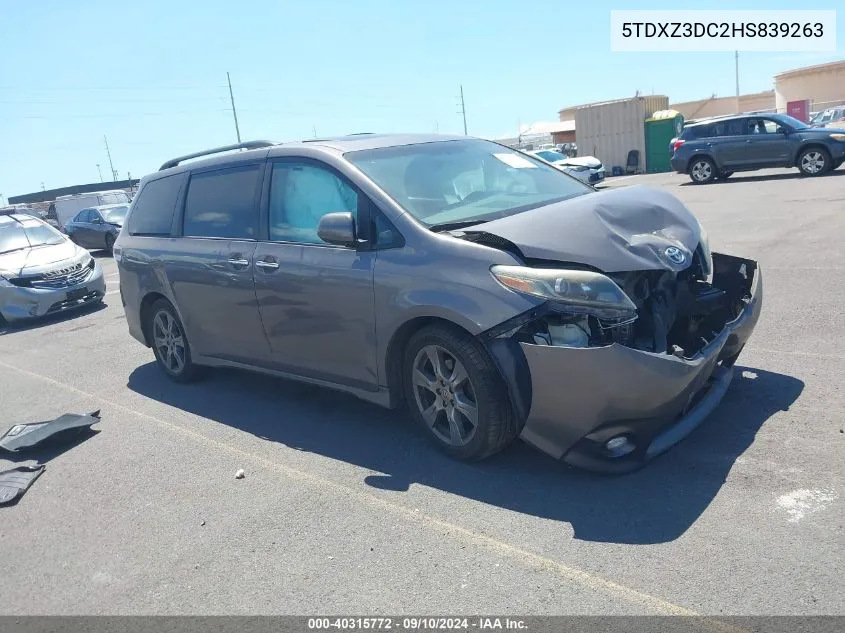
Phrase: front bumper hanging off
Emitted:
{"points": [[579, 398]]}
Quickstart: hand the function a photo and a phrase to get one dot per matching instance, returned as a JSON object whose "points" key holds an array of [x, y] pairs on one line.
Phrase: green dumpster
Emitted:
{"points": [[660, 129]]}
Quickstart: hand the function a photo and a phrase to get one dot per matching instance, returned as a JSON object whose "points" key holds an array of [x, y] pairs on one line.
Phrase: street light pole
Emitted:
{"points": [[736, 73], [234, 112]]}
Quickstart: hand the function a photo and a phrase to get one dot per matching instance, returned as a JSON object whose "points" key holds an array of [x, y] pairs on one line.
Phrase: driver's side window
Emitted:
{"points": [[300, 194]]}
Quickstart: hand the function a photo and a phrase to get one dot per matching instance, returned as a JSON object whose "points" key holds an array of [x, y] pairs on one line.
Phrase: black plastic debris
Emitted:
{"points": [[16, 481], [23, 436]]}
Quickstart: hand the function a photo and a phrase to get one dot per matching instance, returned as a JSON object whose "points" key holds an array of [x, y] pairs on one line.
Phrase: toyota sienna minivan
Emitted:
{"points": [[493, 294]]}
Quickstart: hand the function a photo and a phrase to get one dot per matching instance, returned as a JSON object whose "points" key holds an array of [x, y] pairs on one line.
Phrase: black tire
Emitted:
{"points": [[483, 387], [184, 372], [814, 161], [724, 175], [702, 170], [109, 242]]}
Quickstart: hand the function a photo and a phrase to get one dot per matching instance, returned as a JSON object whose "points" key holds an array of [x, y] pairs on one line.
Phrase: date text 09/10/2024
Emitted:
{"points": [[416, 623]]}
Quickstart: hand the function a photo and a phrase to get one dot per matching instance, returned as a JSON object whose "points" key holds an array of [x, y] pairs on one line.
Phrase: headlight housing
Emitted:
{"points": [[578, 291], [577, 167]]}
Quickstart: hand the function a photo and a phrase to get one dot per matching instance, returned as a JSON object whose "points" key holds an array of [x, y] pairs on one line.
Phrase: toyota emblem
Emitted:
{"points": [[675, 255]]}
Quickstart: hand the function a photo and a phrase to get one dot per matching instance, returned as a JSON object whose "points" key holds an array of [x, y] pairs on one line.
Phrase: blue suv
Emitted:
{"points": [[712, 149]]}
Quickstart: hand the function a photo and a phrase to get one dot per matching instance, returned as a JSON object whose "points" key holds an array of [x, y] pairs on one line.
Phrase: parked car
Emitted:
{"points": [[42, 271], [492, 293], [832, 117], [65, 207], [587, 169], [716, 148], [97, 227]]}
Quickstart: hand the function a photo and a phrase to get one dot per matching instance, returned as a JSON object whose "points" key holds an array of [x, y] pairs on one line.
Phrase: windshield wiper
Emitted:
{"points": [[458, 224]]}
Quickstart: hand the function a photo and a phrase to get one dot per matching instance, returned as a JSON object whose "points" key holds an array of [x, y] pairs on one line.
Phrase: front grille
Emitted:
{"points": [[57, 278]]}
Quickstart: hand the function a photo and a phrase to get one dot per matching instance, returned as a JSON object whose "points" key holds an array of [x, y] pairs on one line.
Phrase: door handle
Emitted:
{"points": [[239, 262], [267, 265]]}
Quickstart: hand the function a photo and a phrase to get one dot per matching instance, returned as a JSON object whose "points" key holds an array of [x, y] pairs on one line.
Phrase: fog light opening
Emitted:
{"points": [[619, 446]]}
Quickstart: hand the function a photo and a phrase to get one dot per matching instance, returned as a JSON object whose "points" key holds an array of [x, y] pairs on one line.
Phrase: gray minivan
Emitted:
{"points": [[496, 295]]}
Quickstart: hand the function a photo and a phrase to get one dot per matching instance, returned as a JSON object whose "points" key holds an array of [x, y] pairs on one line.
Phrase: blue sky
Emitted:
{"points": [[152, 75]]}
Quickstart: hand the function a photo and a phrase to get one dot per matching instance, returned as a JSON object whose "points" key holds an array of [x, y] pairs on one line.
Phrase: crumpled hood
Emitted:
{"points": [[31, 261], [582, 161], [614, 230]]}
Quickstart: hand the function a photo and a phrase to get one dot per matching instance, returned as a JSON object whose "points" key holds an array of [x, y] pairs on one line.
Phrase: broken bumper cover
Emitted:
{"points": [[582, 397]]}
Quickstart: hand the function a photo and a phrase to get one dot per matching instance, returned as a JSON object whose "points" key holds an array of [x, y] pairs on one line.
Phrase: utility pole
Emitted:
{"points": [[463, 110], [2, 200], [234, 112], [736, 71], [111, 165], [99, 171], [314, 129], [42, 186]]}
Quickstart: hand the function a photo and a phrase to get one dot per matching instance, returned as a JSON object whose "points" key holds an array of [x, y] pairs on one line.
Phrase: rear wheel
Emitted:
{"points": [[702, 171], [169, 342], [456, 394], [724, 175], [109, 242], [814, 161]]}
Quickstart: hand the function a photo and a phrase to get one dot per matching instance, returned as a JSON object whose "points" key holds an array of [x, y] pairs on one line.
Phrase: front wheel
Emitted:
{"points": [[814, 161], [702, 171], [109, 242], [456, 394]]}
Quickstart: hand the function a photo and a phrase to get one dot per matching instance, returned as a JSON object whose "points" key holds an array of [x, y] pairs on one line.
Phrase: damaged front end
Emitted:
{"points": [[614, 369]]}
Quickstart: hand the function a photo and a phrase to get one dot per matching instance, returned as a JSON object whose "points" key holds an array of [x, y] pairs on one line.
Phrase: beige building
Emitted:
{"points": [[717, 106], [823, 85]]}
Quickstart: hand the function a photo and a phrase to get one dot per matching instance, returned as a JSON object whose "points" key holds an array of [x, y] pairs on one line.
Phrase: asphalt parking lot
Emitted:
{"points": [[345, 508]]}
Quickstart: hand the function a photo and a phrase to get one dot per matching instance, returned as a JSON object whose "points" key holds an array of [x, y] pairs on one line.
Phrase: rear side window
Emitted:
{"points": [[152, 213], [697, 131], [223, 203]]}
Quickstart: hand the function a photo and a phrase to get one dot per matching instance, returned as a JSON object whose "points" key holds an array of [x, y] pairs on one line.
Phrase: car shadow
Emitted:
{"points": [[13, 327], [653, 505], [740, 177]]}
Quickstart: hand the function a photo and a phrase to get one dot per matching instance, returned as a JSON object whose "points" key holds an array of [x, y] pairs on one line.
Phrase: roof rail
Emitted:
{"points": [[217, 150]]}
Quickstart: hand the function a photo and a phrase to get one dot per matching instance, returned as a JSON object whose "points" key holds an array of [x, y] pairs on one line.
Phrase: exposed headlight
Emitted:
{"points": [[577, 167], [580, 291], [838, 137]]}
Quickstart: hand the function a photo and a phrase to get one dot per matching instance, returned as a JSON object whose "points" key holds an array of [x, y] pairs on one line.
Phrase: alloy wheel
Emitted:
{"points": [[169, 342], [444, 395], [701, 171], [813, 162]]}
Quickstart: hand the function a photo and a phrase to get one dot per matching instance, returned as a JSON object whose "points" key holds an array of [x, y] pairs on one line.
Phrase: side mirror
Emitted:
{"points": [[783, 130], [337, 228]]}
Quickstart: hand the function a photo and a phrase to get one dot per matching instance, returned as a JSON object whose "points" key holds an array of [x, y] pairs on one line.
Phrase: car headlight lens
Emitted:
{"points": [[579, 291], [577, 167], [838, 137]]}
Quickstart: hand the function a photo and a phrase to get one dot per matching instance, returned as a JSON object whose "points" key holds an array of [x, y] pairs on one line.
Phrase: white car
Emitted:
{"points": [[587, 169]]}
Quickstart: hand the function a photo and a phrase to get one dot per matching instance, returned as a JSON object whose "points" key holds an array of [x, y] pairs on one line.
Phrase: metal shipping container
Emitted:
{"points": [[609, 130]]}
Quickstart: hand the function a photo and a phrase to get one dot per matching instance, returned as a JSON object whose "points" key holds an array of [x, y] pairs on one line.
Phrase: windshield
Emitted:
{"points": [[15, 236], [464, 181], [550, 155], [795, 124], [115, 214]]}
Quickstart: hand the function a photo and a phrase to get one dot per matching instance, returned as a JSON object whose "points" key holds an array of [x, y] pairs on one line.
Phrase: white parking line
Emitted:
{"points": [[112, 292], [113, 275], [572, 574]]}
